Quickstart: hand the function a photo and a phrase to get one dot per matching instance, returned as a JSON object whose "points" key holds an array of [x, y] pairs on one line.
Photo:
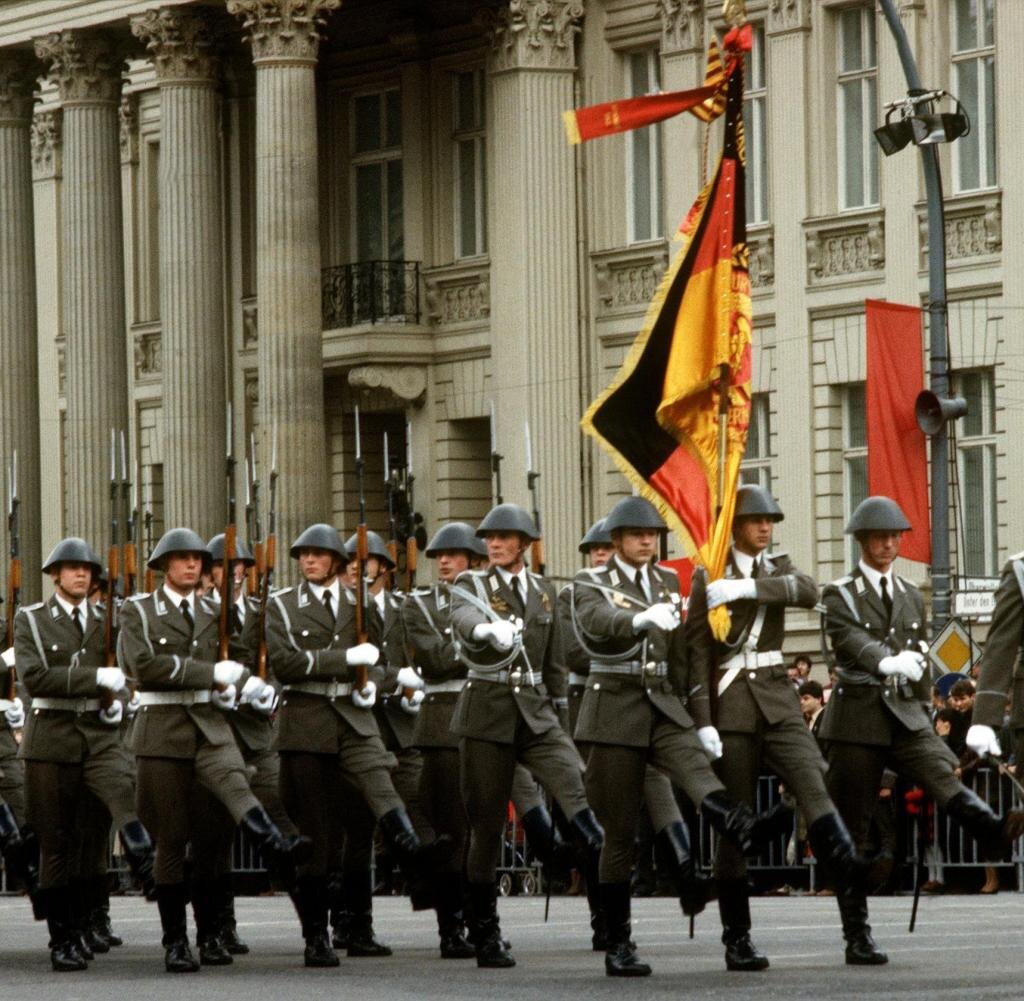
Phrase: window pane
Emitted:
{"points": [[396, 238], [641, 142], [870, 104], [850, 57], [465, 112], [972, 391], [482, 151], [966, 25], [987, 22], [467, 198], [757, 59], [853, 157], [990, 121], [368, 124], [967, 147], [973, 486], [753, 449], [393, 101], [870, 44], [856, 481], [639, 82], [856, 426], [369, 206]]}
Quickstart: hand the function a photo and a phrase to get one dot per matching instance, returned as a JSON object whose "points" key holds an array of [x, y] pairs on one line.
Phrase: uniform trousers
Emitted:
{"points": [[12, 774], [615, 786]]}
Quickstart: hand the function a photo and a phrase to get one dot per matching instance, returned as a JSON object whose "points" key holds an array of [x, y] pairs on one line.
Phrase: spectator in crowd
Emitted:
{"points": [[961, 697], [800, 670], [812, 701]]}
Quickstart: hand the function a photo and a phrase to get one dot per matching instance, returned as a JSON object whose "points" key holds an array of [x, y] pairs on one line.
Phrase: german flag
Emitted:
{"points": [[675, 418]]}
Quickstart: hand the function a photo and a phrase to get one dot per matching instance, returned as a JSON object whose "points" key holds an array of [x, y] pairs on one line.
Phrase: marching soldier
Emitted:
{"points": [[327, 733], [184, 747], [671, 834], [504, 620], [627, 613], [875, 622], [73, 752], [757, 712]]}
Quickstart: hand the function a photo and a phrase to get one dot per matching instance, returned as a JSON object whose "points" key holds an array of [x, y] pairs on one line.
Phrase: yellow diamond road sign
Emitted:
{"points": [[953, 649]]}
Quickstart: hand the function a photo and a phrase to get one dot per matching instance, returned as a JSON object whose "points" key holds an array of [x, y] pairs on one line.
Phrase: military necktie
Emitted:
{"points": [[327, 604], [76, 618], [236, 620], [641, 585], [755, 569], [186, 614], [887, 600], [520, 607]]}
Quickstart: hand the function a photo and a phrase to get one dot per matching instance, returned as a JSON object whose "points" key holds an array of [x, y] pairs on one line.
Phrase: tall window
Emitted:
{"points": [[470, 164], [756, 466], [377, 176], [974, 155], [976, 465], [755, 110], [644, 151], [858, 102], [855, 456]]}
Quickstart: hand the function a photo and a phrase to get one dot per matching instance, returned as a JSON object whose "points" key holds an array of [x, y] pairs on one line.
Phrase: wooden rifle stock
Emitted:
{"points": [[362, 552], [255, 573], [265, 561], [131, 568], [13, 587], [227, 592], [107, 697], [537, 556], [411, 558]]}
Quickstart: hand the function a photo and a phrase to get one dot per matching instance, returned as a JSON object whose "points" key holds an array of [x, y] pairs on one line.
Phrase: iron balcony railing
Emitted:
{"points": [[371, 292]]}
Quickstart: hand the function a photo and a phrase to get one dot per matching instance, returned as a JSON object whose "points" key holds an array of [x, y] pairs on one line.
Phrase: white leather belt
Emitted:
{"points": [[516, 677], [752, 660], [328, 689], [650, 669], [455, 685], [67, 705], [577, 679], [189, 698]]}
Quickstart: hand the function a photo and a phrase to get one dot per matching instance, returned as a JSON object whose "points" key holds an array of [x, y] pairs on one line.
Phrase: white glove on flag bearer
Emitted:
{"points": [[662, 616], [983, 741], [907, 663]]}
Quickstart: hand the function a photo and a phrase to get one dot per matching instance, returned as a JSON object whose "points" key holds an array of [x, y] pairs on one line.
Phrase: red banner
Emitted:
{"points": [[897, 456]]}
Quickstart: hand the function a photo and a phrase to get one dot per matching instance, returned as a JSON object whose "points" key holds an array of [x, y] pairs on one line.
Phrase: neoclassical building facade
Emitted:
{"points": [[301, 207]]}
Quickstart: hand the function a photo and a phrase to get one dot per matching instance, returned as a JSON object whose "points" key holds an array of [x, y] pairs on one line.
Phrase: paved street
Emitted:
{"points": [[964, 947]]}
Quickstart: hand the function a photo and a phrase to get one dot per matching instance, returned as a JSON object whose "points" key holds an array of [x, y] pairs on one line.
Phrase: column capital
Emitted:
{"points": [[788, 15], [85, 65], [46, 145], [16, 87], [533, 34], [283, 30], [682, 26], [181, 43]]}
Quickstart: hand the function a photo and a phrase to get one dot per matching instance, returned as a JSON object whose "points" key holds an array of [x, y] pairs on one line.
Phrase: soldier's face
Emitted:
{"points": [[636, 545], [505, 549], [879, 549], [217, 573], [450, 563], [752, 534], [600, 554], [184, 570], [318, 566], [73, 581]]}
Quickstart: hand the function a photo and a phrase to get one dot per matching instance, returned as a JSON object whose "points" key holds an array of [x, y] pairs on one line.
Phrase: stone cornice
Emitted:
{"points": [[86, 66], [16, 87], [533, 34], [181, 43], [283, 30], [682, 25]]}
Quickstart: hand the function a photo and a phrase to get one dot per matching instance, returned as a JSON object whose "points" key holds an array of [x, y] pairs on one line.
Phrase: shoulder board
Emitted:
{"points": [[669, 570], [592, 572], [422, 590], [210, 606], [536, 577], [777, 555], [32, 608], [1015, 557], [280, 591], [139, 597], [843, 581]]}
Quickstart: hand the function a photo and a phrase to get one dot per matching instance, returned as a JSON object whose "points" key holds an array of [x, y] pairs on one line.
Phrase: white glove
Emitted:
{"points": [[412, 704], [110, 678], [251, 690], [500, 634], [227, 672], [15, 716], [8, 657], [113, 714], [983, 740], [365, 698], [710, 741], [227, 699], [661, 616], [266, 701], [362, 655], [724, 591], [408, 678], [908, 663], [134, 705]]}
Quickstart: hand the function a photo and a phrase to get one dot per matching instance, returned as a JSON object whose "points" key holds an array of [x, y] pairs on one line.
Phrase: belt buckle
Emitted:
{"points": [[515, 676], [649, 669]]}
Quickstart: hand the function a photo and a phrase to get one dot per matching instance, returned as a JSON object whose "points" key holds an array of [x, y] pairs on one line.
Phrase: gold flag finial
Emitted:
{"points": [[734, 12]]}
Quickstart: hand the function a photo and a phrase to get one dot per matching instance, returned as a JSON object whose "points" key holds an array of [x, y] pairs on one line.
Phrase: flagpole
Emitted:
{"points": [[723, 435]]}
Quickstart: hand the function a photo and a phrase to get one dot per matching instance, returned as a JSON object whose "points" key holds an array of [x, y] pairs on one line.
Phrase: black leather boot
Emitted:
{"points": [[20, 853], [205, 907], [734, 908], [281, 852], [673, 843], [544, 837], [413, 857], [860, 946], [490, 949], [339, 915], [81, 924], [64, 954], [748, 831], [170, 900], [100, 913], [451, 924], [620, 959], [310, 897], [359, 897], [138, 851], [993, 833], [834, 851], [227, 926]]}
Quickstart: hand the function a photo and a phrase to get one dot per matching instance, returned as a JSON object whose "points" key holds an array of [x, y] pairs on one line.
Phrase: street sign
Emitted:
{"points": [[953, 649], [977, 583], [974, 604]]}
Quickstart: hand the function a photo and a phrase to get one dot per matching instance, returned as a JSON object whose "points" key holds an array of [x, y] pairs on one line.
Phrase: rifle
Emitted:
{"points": [[227, 582], [266, 558], [362, 552], [113, 572], [495, 456], [253, 528], [131, 505], [389, 499], [147, 520], [13, 572], [411, 545], [537, 546]]}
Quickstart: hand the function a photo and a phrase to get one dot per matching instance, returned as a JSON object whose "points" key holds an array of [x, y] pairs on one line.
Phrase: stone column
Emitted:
{"points": [[192, 322], [285, 41], [535, 334], [19, 373], [87, 69]]}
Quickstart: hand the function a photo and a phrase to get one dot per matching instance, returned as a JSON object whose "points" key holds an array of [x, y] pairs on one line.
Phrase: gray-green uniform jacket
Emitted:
{"points": [[1001, 667], [396, 725]]}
